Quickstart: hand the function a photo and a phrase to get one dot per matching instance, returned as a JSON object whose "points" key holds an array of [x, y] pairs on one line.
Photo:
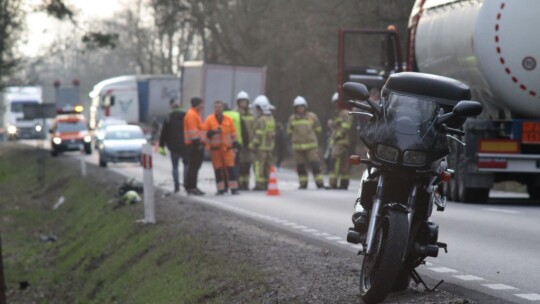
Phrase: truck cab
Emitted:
{"points": [[69, 132]]}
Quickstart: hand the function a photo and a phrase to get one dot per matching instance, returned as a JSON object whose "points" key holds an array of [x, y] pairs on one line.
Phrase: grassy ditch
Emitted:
{"points": [[101, 255]]}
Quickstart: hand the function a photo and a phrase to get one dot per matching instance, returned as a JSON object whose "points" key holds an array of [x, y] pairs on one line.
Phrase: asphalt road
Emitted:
{"points": [[494, 248]]}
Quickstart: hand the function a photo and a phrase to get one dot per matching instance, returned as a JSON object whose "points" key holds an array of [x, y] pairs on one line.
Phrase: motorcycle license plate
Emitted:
{"points": [[530, 132]]}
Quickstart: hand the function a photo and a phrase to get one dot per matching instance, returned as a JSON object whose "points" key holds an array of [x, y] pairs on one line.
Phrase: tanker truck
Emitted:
{"points": [[493, 47]]}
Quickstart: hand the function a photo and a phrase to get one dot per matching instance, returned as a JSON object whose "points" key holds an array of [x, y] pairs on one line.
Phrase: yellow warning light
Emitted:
{"points": [[78, 109], [391, 28]]}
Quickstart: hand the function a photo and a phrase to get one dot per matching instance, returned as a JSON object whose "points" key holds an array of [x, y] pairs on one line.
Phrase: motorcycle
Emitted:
{"points": [[407, 135]]}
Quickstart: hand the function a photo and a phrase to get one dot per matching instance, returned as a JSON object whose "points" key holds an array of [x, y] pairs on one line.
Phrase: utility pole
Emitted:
{"points": [[2, 281]]}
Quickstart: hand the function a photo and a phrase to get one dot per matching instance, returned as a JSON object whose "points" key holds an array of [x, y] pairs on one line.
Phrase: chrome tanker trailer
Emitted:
{"points": [[494, 47]]}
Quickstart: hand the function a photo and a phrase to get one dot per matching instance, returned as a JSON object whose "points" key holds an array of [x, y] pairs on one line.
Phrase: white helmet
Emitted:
{"points": [[335, 97], [263, 102], [242, 95], [300, 101]]}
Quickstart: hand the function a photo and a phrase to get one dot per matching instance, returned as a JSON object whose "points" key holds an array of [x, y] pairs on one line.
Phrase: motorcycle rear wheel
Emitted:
{"points": [[381, 268]]}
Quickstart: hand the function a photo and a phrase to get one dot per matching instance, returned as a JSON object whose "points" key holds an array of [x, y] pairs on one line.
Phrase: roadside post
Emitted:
{"points": [[148, 185], [3, 299], [83, 162]]}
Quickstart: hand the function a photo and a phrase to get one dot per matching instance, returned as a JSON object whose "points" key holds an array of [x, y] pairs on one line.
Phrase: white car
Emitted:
{"points": [[99, 132], [121, 143]]}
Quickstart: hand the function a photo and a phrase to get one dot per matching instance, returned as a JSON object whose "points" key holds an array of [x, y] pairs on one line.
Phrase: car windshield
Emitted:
{"points": [[124, 134], [17, 106], [75, 126], [409, 113]]}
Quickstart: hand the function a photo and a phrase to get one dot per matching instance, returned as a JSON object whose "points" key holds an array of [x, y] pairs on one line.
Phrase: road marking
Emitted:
{"points": [[442, 269], [290, 224], [333, 238], [529, 296], [429, 264], [468, 277], [310, 230], [299, 227], [498, 286], [323, 234], [502, 210], [343, 242]]}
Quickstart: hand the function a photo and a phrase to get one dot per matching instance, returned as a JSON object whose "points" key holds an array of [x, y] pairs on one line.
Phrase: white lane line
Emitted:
{"points": [[529, 296], [502, 210], [442, 269], [279, 221], [498, 286], [323, 234], [299, 227], [310, 230], [343, 242], [333, 238], [468, 277], [290, 224], [429, 264]]}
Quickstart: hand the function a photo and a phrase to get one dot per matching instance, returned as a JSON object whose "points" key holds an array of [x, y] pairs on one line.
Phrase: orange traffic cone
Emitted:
{"points": [[272, 183]]}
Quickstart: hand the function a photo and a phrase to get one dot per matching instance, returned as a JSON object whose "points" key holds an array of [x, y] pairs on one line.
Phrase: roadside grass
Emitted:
{"points": [[101, 255]]}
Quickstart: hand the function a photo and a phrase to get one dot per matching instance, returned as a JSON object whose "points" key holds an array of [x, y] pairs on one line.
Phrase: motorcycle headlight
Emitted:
{"points": [[87, 138], [387, 153], [12, 129], [57, 140], [414, 158]]}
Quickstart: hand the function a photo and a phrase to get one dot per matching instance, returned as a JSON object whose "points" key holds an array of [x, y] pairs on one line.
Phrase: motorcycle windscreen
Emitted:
{"points": [[409, 114]]}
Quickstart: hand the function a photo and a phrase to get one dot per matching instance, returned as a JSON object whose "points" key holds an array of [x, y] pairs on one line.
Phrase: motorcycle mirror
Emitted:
{"points": [[356, 90], [467, 108]]}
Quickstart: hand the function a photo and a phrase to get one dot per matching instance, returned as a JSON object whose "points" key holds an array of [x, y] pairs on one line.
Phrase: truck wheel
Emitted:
{"points": [[534, 190], [88, 149], [473, 195]]}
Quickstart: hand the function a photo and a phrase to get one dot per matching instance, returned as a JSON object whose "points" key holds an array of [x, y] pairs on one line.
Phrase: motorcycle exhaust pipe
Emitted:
{"points": [[428, 250]]}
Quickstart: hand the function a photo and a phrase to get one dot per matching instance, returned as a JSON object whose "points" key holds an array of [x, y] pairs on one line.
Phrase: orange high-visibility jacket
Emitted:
{"points": [[193, 127], [223, 140]]}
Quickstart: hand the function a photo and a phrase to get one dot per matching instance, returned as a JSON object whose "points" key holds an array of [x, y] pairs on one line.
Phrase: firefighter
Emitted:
{"points": [[262, 143], [339, 143], [194, 137], [245, 157], [303, 129], [221, 134]]}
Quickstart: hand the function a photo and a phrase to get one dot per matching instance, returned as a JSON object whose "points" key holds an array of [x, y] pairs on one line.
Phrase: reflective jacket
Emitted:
{"points": [[221, 134], [193, 127], [304, 130], [264, 134], [249, 121], [237, 119], [341, 128]]}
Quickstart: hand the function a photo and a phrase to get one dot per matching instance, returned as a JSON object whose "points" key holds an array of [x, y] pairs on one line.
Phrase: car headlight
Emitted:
{"points": [[57, 140], [87, 138], [387, 153], [414, 158], [12, 129], [38, 128]]}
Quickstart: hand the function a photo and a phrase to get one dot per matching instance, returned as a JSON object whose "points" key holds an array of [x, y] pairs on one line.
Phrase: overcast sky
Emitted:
{"points": [[42, 29]]}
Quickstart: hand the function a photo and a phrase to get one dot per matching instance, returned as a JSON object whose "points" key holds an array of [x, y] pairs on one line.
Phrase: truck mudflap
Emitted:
{"points": [[515, 163]]}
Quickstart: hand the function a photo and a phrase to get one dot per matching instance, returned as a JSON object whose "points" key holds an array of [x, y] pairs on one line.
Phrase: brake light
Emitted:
{"points": [[492, 164]]}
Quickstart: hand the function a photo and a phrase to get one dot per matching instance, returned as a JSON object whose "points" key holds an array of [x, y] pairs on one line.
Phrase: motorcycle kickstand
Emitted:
{"points": [[418, 279]]}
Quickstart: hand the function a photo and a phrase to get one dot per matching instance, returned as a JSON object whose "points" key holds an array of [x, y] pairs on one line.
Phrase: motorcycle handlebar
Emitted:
{"points": [[453, 131], [360, 106]]}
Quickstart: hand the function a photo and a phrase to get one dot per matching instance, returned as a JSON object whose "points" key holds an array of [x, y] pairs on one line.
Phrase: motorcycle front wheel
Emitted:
{"points": [[381, 268]]}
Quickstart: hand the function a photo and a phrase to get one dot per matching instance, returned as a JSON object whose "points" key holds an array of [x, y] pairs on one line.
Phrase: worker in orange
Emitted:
{"points": [[222, 139], [194, 138]]}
